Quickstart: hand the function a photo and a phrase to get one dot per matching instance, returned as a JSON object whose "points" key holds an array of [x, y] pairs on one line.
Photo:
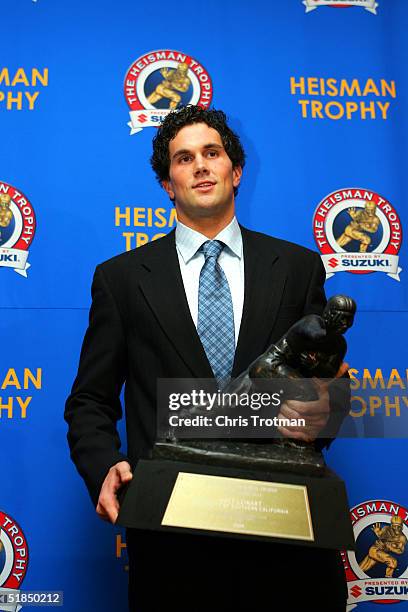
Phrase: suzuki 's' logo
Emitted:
{"points": [[356, 591]]}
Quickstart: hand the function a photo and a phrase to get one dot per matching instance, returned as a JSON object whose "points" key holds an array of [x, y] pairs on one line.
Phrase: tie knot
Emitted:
{"points": [[212, 248]]}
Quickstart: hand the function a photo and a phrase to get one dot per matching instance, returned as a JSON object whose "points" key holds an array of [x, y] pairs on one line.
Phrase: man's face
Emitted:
{"points": [[202, 178]]}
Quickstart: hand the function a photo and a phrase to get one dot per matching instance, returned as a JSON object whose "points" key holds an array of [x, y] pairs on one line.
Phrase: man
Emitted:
{"points": [[148, 321]]}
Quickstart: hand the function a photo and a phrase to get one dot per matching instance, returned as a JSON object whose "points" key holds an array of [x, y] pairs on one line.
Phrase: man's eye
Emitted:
{"points": [[212, 153], [185, 158]]}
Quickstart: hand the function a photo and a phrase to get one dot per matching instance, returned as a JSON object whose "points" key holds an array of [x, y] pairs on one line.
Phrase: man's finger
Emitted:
{"points": [[292, 427], [109, 516], [108, 507], [308, 408], [102, 515], [125, 475], [309, 421], [124, 472], [287, 411], [297, 435]]}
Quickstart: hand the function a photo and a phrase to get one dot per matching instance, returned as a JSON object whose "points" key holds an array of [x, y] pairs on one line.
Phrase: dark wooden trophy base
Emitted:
{"points": [[241, 490]]}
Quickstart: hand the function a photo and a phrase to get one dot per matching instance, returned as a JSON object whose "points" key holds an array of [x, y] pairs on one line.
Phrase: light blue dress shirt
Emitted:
{"points": [[231, 259]]}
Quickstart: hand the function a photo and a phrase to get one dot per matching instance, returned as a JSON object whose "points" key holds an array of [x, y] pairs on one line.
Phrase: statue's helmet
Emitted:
{"points": [[370, 207], [5, 199], [396, 520], [339, 313], [183, 67]]}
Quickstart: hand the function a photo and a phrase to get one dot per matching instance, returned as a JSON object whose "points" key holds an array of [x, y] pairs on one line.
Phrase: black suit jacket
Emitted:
{"points": [[140, 329]]}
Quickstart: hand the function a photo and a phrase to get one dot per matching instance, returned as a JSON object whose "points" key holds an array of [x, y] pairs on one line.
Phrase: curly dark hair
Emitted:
{"points": [[188, 115]]}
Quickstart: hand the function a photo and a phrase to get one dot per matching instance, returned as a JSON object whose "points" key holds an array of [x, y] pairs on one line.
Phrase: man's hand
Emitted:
{"points": [[315, 413], [108, 506]]}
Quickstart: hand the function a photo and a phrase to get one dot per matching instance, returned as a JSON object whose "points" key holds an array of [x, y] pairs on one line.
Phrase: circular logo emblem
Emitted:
{"points": [[378, 570], [13, 553], [17, 228], [358, 231], [161, 81]]}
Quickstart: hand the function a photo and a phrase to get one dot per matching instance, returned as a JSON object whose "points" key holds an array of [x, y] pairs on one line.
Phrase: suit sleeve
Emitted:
{"points": [[93, 407], [316, 297], [339, 390]]}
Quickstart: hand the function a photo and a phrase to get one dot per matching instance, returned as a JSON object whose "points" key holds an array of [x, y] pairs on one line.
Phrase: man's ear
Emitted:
{"points": [[236, 175], [168, 189]]}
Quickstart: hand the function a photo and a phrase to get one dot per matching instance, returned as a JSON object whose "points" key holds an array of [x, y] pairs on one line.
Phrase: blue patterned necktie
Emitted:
{"points": [[215, 314]]}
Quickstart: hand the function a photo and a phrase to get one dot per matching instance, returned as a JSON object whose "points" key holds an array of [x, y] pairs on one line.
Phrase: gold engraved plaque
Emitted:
{"points": [[236, 505]]}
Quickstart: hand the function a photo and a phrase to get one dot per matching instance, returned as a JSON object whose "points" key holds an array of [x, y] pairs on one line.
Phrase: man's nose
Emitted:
{"points": [[200, 166]]}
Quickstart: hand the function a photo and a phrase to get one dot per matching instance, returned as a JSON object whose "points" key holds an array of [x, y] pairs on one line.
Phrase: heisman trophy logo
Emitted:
{"points": [[378, 570], [17, 229], [13, 558], [161, 81], [358, 231]]}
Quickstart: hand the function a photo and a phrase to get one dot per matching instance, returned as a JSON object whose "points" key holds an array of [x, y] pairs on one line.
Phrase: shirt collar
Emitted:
{"points": [[188, 241]]}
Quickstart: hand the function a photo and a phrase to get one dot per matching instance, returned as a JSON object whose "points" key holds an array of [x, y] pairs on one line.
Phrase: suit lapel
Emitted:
{"points": [[162, 286], [265, 278]]}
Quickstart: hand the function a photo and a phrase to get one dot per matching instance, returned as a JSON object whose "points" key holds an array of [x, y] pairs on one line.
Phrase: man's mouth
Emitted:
{"points": [[204, 186]]}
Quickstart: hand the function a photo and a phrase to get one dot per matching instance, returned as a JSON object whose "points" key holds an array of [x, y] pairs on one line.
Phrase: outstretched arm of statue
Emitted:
{"points": [[166, 72], [377, 529]]}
